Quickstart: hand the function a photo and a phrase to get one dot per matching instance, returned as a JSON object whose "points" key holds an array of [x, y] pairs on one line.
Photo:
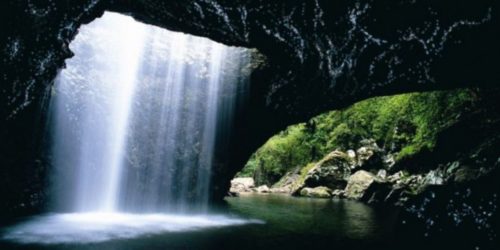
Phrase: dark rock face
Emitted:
{"points": [[327, 54], [34, 42], [459, 216], [321, 55], [332, 171]]}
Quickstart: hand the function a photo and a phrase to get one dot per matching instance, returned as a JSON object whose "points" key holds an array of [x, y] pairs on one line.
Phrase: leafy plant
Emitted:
{"points": [[405, 124]]}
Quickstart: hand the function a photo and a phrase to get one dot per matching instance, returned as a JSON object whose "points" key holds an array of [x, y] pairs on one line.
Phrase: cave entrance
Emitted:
{"points": [[136, 116], [137, 113]]}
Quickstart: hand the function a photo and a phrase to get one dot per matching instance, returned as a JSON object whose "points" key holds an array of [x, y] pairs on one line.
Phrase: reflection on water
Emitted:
{"points": [[100, 227], [290, 223], [309, 215], [315, 217]]}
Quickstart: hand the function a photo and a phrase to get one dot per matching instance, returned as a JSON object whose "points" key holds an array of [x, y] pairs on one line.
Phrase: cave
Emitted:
{"points": [[425, 70]]}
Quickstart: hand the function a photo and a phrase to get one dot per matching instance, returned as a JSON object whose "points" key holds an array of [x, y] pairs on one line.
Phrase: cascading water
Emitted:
{"points": [[92, 104], [172, 134], [135, 116]]}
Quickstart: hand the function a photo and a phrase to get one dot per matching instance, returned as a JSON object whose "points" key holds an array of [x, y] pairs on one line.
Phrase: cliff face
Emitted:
{"points": [[321, 55]]}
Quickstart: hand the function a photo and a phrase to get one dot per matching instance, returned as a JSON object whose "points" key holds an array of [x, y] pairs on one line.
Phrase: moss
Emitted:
{"points": [[302, 175], [408, 152], [317, 192], [305, 170], [405, 124]]}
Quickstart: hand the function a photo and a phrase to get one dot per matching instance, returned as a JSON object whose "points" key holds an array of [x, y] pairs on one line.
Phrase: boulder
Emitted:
{"points": [[466, 174], [288, 182], [262, 189], [389, 161], [317, 192], [351, 154], [434, 177], [242, 185], [280, 190], [382, 174], [359, 183], [412, 183], [369, 155], [394, 178], [364, 154], [332, 171], [339, 193]]}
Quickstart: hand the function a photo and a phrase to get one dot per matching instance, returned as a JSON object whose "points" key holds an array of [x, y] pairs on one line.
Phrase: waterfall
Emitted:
{"points": [[136, 117], [136, 113]]}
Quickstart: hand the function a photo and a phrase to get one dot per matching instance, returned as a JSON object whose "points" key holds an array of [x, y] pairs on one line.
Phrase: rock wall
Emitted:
{"points": [[321, 55]]}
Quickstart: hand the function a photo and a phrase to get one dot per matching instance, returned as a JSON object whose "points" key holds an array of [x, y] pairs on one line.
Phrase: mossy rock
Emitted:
{"points": [[332, 171], [317, 192]]}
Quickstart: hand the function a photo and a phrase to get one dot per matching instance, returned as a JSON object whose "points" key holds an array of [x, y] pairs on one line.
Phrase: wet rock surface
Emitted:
{"points": [[317, 192], [313, 56], [319, 55], [262, 189], [358, 183], [458, 197], [358, 176], [332, 171], [241, 185]]}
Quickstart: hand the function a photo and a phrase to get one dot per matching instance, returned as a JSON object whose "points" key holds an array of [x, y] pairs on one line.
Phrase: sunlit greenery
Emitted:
{"points": [[406, 124]]}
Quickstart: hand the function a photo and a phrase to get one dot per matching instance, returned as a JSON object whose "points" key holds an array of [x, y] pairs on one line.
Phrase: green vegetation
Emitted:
{"points": [[406, 124]]}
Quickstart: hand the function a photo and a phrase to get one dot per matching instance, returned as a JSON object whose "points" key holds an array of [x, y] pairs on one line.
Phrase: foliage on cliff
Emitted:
{"points": [[404, 124]]}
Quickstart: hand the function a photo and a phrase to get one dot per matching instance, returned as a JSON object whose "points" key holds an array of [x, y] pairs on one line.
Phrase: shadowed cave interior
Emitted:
{"points": [[209, 124]]}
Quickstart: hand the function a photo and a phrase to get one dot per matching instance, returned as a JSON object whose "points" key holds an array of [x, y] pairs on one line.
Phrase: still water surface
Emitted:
{"points": [[263, 222]]}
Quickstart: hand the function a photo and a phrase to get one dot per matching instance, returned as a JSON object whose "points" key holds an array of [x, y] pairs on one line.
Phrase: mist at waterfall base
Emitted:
{"points": [[135, 119]]}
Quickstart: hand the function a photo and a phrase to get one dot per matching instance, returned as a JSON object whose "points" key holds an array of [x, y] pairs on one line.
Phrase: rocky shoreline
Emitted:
{"points": [[369, 174]]}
